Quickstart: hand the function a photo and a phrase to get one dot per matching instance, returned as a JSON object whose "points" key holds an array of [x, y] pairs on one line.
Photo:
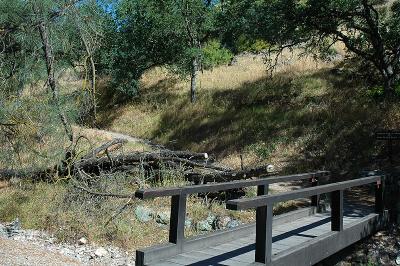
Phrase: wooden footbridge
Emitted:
{"points": [[301, 237]]}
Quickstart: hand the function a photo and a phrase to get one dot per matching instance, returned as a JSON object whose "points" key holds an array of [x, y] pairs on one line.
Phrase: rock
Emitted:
{"points": [[211, 219], [163, 218], [80, 250], [203, 226], [82, 241], [188, 222], [143, 214], [101, 252], [233, 224], [270, 168], [233, 62], [13, 228], [3, 231], [398, 260], [221, 222]]}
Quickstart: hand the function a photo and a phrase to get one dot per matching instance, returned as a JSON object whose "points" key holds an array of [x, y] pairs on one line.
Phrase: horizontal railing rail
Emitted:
{"points": [[179, 196], [247, 203], [264, 204], [214, 187]]}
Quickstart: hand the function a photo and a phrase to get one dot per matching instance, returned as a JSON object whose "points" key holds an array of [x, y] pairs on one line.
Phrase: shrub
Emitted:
{"points": [[375, 92], [245, 44], [214, 55]]}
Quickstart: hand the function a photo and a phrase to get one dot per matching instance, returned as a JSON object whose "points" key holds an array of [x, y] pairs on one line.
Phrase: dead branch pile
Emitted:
{"points": [[196, 167]]}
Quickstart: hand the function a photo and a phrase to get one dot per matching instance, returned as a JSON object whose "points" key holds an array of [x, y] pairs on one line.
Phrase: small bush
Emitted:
{"points": [[214, 55], [376, 92], [246, 44], [397, 88]]}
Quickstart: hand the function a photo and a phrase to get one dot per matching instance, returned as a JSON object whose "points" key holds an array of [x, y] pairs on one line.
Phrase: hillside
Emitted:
{"points": [[309, 115]]}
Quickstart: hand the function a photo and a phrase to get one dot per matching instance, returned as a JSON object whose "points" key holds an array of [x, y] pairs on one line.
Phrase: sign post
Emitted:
{"points": [[393, 190], [389, 136]]}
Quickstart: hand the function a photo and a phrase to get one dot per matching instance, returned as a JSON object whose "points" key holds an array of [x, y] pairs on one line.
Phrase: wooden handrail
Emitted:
{"points": [[165, 192], [264, 204], [243, 204], [179, 196]]}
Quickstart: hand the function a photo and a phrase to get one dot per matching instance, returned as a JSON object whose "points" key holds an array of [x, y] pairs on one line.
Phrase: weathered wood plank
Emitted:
{"points": [[329, 243], [242, 252], [247, 203], [165, 192], [156, 253]]}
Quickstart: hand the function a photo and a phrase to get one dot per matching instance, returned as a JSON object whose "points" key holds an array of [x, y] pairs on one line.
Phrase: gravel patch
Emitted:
{"points": [[38, 248]]}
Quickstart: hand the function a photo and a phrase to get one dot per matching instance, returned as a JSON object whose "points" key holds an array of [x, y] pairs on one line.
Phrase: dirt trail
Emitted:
{"points": [[116, 135], [18, 253], [121, 136]]}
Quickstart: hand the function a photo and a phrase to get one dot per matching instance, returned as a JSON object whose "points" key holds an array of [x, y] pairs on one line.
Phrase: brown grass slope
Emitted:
{"points": [[309, 115]]}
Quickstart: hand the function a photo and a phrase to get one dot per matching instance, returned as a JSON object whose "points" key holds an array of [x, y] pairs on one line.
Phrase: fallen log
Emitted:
{"points": [[226, 176], [187, 155], [110, 146], [196, 167], [93, 165]]}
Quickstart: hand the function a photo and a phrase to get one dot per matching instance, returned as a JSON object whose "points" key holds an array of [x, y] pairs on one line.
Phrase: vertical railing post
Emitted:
{"points": [[261, 217], [314, 199], [177, 220], [263, 229], [337, 210], [379, 200]]}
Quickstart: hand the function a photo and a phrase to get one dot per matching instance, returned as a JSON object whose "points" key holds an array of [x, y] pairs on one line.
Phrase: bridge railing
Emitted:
{"points": [[179, 197], [264, 205]]}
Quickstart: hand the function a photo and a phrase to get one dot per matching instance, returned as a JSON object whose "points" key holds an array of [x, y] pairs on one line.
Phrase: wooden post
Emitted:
{"points": [[264, 235], [177, 220], [379, 201], [314, 199], [337, 210], [261, 229]]}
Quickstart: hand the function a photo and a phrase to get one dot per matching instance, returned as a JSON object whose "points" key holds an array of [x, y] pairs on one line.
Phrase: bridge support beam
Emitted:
{"points": [[379, 200], [177, 220], [315, 199], [262, 229], [264, 235], [337, 210]]}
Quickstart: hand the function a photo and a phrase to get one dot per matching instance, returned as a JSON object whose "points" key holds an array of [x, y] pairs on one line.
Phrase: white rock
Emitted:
{"points": [[101, 252], [398, 260], [82, 241]]}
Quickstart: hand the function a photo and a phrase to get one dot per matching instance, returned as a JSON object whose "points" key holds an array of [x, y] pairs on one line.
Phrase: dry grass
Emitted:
{"points": [[71, 214], [165, 95], [296, 120], [241, 110]]}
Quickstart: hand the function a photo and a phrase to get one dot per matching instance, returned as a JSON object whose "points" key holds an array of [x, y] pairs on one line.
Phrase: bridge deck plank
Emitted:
{"points": [[285, 237]]}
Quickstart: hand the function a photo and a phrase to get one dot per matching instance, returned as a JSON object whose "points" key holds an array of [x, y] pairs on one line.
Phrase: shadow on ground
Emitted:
{"points": [[315, 120]]}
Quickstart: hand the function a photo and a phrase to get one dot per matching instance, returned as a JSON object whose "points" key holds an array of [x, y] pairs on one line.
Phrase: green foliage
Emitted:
{"points": [[369, 29], [32, 132], [379, 91], [397, 88], [35, 137], [246, 44], [214, 54], [263, 150], [153, 33], [376, 92]]}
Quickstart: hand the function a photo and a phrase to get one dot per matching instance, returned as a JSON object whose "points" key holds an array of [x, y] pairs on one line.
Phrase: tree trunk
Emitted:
{"points": [[193, 79], [388, 85], [94, 102], [49, 59], [93, 81]]}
